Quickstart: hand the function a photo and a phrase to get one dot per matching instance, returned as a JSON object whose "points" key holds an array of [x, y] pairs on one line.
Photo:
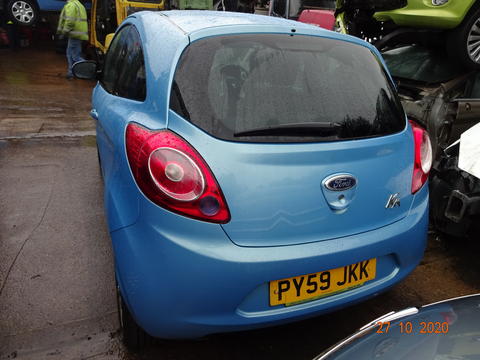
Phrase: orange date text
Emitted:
{"points": [[409, 327]]}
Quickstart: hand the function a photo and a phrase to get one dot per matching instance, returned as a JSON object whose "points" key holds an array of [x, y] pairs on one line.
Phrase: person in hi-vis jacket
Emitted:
{"points": [[73, 24]]}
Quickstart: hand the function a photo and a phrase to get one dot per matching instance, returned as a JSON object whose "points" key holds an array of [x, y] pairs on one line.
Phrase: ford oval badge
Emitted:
{"points": [[340, 182]]}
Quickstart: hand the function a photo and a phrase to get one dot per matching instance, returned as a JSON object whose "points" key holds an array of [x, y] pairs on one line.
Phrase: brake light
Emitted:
{"points": [[423, 157], [173, 175]]}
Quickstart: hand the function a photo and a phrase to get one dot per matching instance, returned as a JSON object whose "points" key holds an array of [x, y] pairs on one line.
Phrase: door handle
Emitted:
{"points": [[94, 114]]}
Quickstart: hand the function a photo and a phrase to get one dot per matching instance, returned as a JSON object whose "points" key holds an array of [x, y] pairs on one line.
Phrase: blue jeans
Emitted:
{"points": [[74, 53]]}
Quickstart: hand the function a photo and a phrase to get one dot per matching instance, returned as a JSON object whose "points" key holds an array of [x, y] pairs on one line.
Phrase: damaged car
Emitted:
{"points": [[388, 23], [444, 99]]}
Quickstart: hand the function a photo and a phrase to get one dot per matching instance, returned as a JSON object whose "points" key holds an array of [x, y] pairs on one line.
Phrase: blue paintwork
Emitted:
{"points": [[56, 5], [274, 191], [186, 278]]}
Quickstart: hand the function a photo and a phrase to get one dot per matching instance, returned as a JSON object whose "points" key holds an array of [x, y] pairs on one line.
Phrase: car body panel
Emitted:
{"points": [[51, 5], [422, 14], [166, 273], [182, 277], [298, 216], [121, 204], [121, 191], [55, 5], [292, 175]]}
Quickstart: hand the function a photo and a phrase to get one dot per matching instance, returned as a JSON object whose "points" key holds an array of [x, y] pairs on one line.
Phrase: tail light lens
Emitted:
{"points": [[172, 174], [423, 157]]}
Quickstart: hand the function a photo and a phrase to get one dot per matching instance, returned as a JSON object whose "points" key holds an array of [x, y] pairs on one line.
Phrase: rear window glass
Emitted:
{"points": [[283, 88]]}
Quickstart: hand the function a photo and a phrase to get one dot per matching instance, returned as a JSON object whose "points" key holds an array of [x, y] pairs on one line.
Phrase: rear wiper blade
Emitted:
{"points": [[295, 129]]}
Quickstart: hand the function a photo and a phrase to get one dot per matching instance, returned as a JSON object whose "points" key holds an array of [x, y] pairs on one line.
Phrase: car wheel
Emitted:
{"points": [[23, 12], [133, 336], [463, 43]]}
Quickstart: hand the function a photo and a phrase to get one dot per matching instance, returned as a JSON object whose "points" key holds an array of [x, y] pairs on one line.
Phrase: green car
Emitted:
{"points": [[387, 23]]}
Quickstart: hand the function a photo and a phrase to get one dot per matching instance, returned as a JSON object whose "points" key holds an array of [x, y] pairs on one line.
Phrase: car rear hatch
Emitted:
{"points": [[305, 135]]}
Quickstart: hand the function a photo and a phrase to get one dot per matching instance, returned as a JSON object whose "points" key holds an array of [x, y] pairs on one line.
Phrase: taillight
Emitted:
{"points": [[423, 157], [172, 174]]}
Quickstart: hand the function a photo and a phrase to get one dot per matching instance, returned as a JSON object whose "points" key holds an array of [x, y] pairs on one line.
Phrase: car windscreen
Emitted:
{"points": [[421, 64], [444, 331], [284, 88]]}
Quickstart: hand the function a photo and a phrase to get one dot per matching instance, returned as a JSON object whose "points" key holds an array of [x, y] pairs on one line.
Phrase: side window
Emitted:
{"points": [[113, 60], [124, 69], [131, 78]]}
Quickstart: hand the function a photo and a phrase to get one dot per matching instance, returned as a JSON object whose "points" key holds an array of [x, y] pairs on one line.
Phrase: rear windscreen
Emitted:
{"points": [[284, 88]]}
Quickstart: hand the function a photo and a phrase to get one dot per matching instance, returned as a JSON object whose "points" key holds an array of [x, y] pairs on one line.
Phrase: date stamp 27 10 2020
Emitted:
{"points": [[408, 327]]}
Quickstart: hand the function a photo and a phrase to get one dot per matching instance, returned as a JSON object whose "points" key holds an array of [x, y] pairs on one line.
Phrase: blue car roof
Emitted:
{"points": [[194, 20], [188, 22], [195, 24]]}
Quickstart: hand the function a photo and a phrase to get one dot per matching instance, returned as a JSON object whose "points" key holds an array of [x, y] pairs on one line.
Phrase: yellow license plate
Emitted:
{"points": [[312, 286]]}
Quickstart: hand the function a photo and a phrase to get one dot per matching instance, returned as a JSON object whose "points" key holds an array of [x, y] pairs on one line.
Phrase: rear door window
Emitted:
{"points": [[283, 88]]}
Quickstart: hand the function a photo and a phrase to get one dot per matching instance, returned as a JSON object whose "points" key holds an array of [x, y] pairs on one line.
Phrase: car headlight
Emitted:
{"points": [[439, 2]]}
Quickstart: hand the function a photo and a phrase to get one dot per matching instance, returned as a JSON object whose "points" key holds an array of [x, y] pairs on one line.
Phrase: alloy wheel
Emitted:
{"points": [[23, 12], [473, 41]]}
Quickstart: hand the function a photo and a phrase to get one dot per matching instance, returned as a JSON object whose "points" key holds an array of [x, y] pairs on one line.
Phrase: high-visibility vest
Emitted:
{"points": [[73, 21]]}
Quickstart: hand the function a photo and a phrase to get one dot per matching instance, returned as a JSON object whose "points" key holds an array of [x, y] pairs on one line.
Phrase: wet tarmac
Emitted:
{"points": [[57, 297], [36, 99]]}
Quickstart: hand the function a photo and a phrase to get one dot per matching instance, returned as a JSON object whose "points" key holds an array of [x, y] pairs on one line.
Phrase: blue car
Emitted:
{"points": [[27, 12], [257, 171]]}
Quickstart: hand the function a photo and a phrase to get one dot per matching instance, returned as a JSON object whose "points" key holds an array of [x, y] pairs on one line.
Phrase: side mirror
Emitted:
{"points": [[85, 70]]}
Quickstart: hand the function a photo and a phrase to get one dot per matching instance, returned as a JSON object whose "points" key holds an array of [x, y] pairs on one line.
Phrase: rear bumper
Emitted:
{"points": [[182, 278]]}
